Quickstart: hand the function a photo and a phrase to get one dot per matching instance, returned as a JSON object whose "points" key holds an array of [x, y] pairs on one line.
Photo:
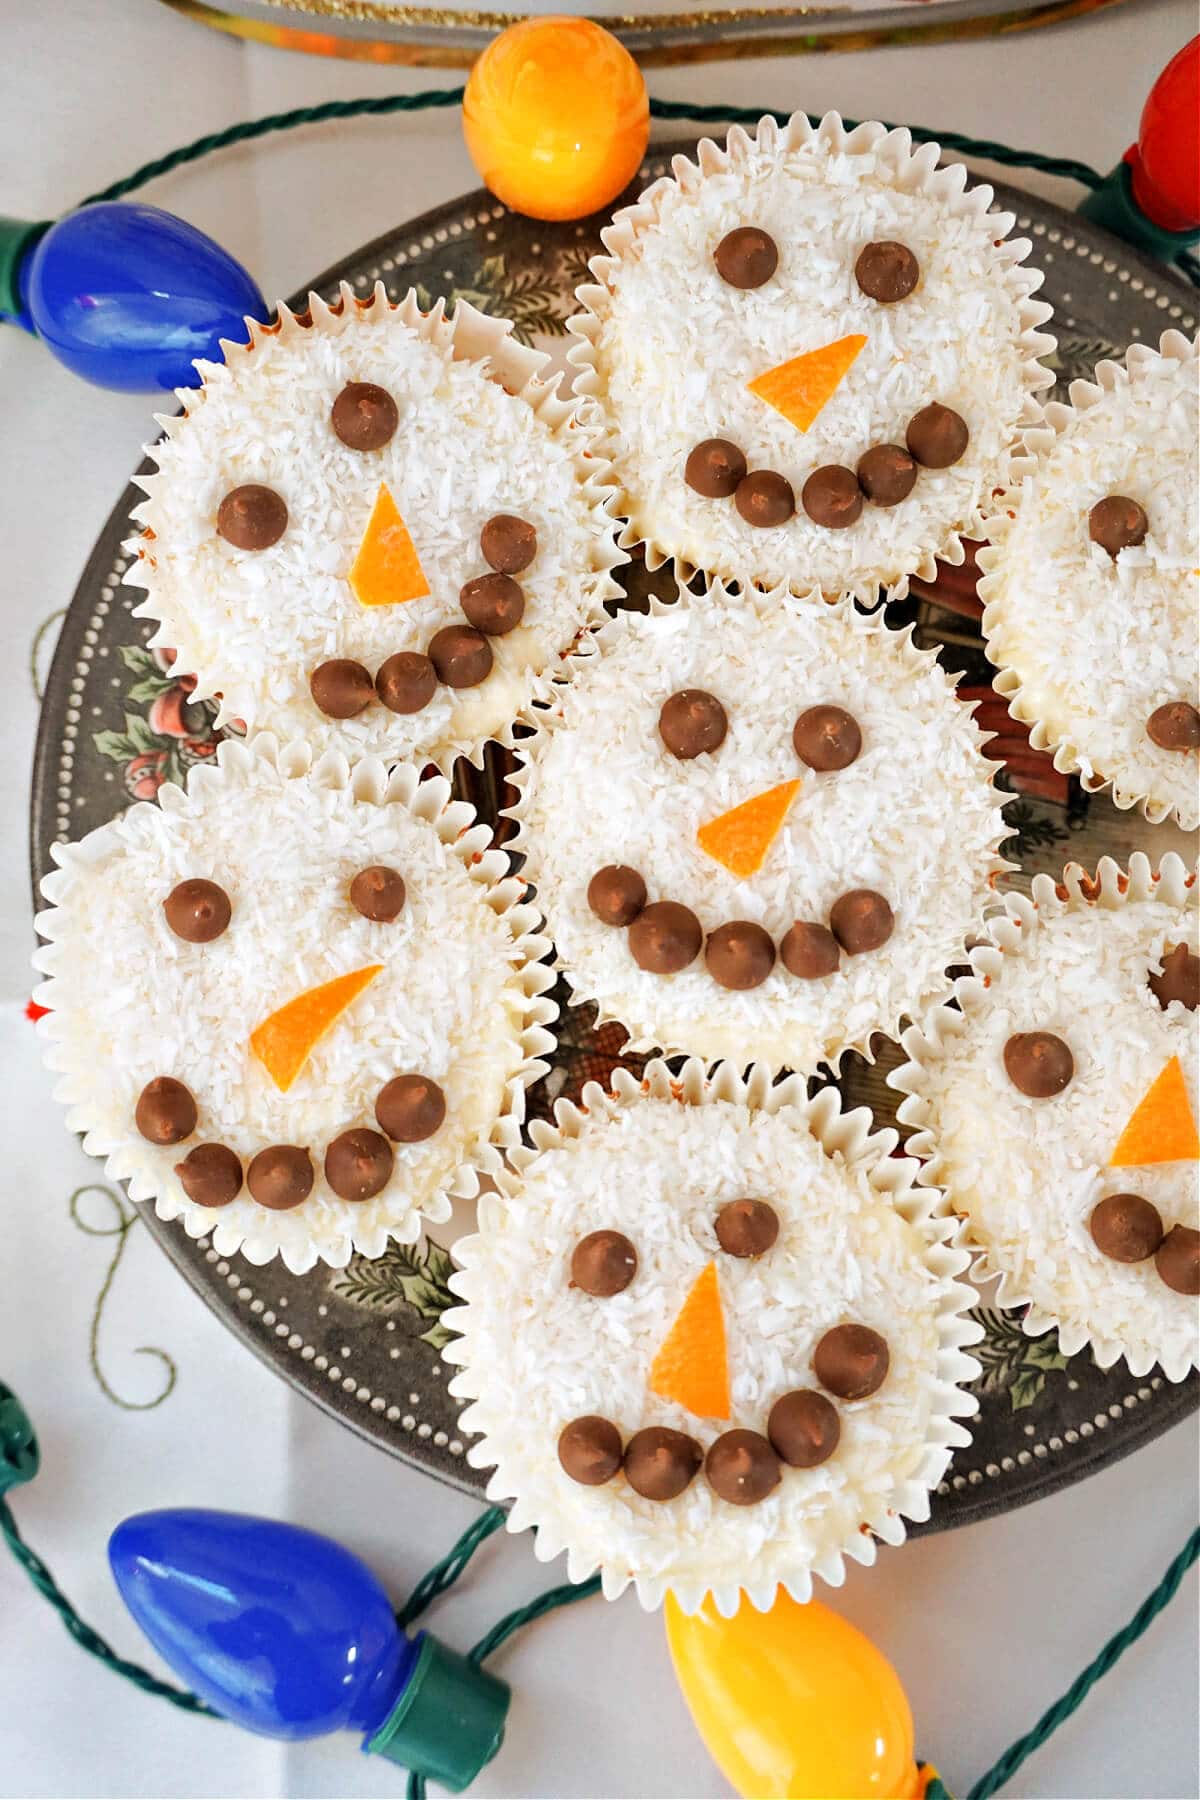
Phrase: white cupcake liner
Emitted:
{"points": [[1037, 442], [847, 1137], [471, 336], [576, 668], [301, 1237], [935, 1041], [913, 171]]}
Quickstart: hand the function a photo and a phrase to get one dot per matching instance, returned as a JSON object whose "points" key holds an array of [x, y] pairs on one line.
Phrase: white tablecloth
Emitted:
{"points": [[987, 1624]]}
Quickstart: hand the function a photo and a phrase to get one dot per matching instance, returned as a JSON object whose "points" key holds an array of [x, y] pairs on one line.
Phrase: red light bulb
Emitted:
{"points": [[1165, 164]]}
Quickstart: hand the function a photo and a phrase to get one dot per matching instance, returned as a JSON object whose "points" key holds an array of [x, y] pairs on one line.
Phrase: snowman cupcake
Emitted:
{"points": [[758, 827], [1092, 582], [1056, 1108], [374, 529], [713, 1337], [296, 1007], [810, 354]]}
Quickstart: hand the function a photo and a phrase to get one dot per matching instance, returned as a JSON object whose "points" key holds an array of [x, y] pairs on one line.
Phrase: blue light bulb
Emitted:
{"points": [[125, 295], [287, 1634]]}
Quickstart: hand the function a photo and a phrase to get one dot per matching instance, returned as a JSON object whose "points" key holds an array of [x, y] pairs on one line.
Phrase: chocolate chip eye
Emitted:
{"points": [[1180, 978], [692, 722], [364, 416], [887, 271], [1038, 1064], [1175, 726], [197, 911], [1116, 523], [827, 738], [851, 1361], [747, 257], [603, 1264], [746, 1227], [378, 893], [252, 517]]}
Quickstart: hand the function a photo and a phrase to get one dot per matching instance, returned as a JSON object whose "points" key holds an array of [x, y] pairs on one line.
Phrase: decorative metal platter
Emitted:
{"points": [[364, 1342]]}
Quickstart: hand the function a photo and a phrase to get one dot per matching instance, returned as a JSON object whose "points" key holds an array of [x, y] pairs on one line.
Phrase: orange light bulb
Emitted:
{"points": [[795, 1703], [556, 117]]}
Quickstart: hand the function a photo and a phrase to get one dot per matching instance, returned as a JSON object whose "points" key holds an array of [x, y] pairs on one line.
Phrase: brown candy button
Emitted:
{"points": [[280, 1177], [692, 722], [406, 682], [832, 497], [809, 951], [741, 1467], [358, 1163], [715, 468], [826, 738], [341, 688], [851, 1361], [508, 543], [1178, 1260], [1126, 1227], [1038, 1064], [747, 257], [665, 938], [364, 416], [1116, 522], [603, 1264], [660, 1463], [886, 474], [252, 517], [165, 1111], [410, 1108], [861, 920], [747, 1227], [461, 655], [493, 603], [616, 894], [936, 436], [739, 955], [589, 1450], [197, 911], [378, 893], [764, 498], [1180, 978], [1175, 726], [804, 1428], [887, 271], [211, 1175]]}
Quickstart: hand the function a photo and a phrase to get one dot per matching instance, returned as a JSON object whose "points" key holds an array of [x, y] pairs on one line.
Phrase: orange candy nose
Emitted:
{"points": [[387, 569], [1161, 1127], [692, 1368], [800, 388], [285, 1039], [741, 837]]}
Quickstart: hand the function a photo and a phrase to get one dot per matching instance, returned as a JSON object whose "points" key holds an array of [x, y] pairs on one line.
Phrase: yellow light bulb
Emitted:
{"points": [[794, 1703], [556, 117]]}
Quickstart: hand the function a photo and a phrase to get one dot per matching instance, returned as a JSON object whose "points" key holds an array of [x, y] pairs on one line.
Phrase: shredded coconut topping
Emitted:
{"points": [[674, 347], [253, 625], [131, 1001], [914, 817], [1027, 1173], [1096, 644], [540, 1352]]}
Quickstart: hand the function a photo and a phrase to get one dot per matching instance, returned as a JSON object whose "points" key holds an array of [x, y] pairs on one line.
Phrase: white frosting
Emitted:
{"points": [[914, 817], [1026, 1174], [1092, 645], [252, 625], [130, 1000], [674, 346], [539, 1352]]}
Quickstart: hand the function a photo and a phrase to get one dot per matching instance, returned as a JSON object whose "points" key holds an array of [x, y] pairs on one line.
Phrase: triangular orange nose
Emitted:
{"points": [[286, 1039], [1162, 1127], [691, 1368], [800, 388], [387, 569], [741, 837]]}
